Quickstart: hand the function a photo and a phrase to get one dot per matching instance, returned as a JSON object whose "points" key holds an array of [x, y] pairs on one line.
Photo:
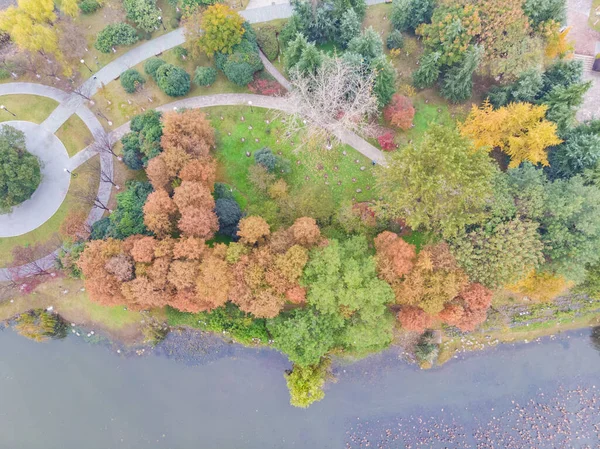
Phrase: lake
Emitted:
{"points": [[69, 394]]}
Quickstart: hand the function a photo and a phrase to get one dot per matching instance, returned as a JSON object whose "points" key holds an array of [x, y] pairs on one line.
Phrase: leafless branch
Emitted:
{"points": [[337, 98]]}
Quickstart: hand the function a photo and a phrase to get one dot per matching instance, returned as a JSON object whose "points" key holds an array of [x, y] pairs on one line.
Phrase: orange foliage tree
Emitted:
{"points": [[414, 319], [159, 213], [253, 229], [400, 112], [189, 131]]}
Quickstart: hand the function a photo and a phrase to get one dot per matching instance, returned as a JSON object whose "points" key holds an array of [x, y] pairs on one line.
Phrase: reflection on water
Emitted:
{"points": [[67, 394]]}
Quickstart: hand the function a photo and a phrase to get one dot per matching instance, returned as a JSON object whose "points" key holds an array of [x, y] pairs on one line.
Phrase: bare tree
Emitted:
{"points": [[107, 175], [88, 192], [104, 143], [337, 98]]}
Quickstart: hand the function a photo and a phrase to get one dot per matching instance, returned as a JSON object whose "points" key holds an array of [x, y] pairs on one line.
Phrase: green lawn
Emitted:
{"points": [[315, 164], [48, 232], [31, 108], [74, 135]]}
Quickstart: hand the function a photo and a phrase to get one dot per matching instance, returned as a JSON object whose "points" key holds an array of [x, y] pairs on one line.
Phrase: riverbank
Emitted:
{"points": [[508, 322]]}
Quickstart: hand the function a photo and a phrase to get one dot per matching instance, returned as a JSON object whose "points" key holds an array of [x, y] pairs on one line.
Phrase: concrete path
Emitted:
{"points": [[274, 72], [53, 188]]}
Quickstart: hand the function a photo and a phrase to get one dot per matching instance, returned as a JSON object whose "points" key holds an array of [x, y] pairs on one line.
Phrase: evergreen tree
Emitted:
{"points": [[349, 27], [385, 79], [428, 72], [562, 104], [311, 60], [369, 45], [294, 51], [457, 85]]}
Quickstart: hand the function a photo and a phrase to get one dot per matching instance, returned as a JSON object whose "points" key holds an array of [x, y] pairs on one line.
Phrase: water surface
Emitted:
{"points": [[68, 394]]}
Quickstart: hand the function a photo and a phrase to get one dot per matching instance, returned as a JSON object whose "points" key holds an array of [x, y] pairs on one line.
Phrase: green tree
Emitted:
{"points": [[241, 67], [579, 151], [563, 73], [294, 51], [143, 13], [132, 80], [128, 217], [205, 76], [499, 255], [173, 80], [222, 29], [457, 85], [428, 72], [151, 66], [563, 102], [439, 184], [452, 29], [310, 61], [349, 27], [19, 170], [570, 227], [306, 383], [304, 335], [114, 35], [409, 14], [540, 11], [368, 44], [342, 282], [385, 80]]}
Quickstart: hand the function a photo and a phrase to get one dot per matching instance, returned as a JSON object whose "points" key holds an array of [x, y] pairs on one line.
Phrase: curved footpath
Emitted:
{"points": [[20, 221]]}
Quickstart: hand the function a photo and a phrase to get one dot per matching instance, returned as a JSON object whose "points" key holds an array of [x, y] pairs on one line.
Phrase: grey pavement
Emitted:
{"points": [[274, 72], [53, 187]]}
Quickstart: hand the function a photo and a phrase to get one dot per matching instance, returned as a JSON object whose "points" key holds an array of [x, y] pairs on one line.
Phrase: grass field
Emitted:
{"points": [[48, 232], [31, 108], [73, 305], [315, 164], [74, 135]]}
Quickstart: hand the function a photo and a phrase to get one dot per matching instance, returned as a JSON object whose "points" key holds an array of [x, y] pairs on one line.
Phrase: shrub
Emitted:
{"points": [[89, 6], [114, 35], [4, 74], [262, 86], [266, 158], [152, 65], [386, 141], [132, 80], [400, 112], [205, 76], [395, 40], [266, 38], [240, 67], [173, 80], [222, 190], [180, 52]]}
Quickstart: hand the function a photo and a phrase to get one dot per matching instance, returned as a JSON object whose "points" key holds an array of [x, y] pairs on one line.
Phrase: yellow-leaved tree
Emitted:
{"points": [[518, 129], [69, 7], [31, 26]]}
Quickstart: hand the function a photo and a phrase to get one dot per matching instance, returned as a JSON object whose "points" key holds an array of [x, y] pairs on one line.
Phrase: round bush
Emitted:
{"points": [[266, 158], [89, 6], [4, 74], [114, 35], [205, 76], [132, 80], [20, 171], [173, 80], [151, 66], [240, 67], [395, 40], [267, 41]]}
